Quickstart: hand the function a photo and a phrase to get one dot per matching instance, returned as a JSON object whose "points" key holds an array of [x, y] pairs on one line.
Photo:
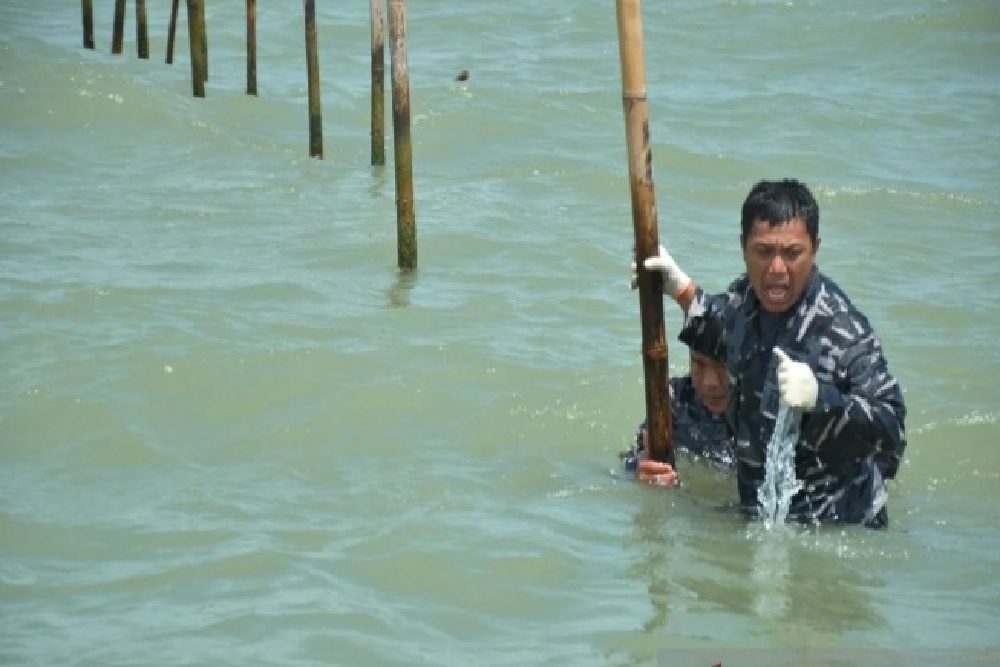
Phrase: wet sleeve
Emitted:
{"points": [[866, 414], [704, 322]]}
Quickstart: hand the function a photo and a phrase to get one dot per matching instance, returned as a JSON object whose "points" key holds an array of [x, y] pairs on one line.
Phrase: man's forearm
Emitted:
{"points": [[856, 426]]}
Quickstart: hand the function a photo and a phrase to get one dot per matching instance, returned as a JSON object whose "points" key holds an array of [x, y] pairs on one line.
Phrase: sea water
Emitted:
{"points": [[232, 434]]}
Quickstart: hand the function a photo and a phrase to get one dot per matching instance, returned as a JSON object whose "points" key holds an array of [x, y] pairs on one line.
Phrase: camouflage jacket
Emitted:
{"points": [[852, 440], [697, 432]]}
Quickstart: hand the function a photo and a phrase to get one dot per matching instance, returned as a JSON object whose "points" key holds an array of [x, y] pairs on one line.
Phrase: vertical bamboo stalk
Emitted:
{"points": [[118, 33], [204, 41], [640, 169], [141, 30], [251, 47], [312, 72], [88, 23], [406, 226], [378, 83], [195, 29], [172, 31]]}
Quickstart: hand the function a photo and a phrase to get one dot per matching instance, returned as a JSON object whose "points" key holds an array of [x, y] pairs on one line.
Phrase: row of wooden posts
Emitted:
{"points": [[630, 42], [406, 232]]}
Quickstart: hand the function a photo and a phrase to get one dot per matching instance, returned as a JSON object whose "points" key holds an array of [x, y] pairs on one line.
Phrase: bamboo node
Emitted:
{"points": [[656, 351], [641, 96]]}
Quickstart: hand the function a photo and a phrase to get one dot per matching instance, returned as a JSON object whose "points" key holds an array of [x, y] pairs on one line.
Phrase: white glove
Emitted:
{"points": [[797, 385], [673, 278]]}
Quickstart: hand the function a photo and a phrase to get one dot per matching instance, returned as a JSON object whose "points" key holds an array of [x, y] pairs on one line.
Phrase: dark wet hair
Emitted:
{"points": [[778, 202], [704, 340]]}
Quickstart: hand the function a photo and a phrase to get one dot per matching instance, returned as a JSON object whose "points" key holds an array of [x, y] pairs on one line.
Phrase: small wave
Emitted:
{"points": [[592, 488], [848, 191], [974, 418]]}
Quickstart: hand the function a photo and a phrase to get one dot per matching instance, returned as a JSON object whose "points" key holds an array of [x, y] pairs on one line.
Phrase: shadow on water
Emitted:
{"points": [[780, 578], [399, 293], [378, 183], [719, 565], [650, 527]]}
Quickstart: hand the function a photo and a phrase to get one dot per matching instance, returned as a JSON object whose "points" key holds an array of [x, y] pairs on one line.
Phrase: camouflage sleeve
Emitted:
{"points": [[866, 418], [704, 321]]}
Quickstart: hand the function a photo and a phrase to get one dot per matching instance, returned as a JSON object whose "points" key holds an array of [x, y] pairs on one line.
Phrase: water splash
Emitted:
{"points": [[780, 483]]}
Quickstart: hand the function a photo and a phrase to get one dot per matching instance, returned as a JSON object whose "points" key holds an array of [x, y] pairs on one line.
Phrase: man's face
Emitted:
{"points": [[779, 261], [711, 382]]}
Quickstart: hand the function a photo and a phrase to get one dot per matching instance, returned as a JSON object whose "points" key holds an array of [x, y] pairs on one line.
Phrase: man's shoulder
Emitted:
{"points": [[735, 293], [841, 313], [737, 296], [740, 284], [740, 290]]}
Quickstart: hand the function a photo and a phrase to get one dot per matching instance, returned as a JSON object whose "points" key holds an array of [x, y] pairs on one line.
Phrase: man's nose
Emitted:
{"points": [[777, 264], [713, 379]]}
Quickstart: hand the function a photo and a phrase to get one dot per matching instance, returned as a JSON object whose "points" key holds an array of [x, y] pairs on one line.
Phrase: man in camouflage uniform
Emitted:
{"points": [[793, 337], [697, 406]]}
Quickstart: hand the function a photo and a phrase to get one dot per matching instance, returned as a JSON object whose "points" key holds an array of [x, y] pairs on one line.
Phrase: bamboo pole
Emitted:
{"points": [[118, 33], [88, 23], [251, 47], [640, 168], [172, 31], [141, 30], [312, 72], [195, 29], [378, 83], [204, 41], [406, 226]]}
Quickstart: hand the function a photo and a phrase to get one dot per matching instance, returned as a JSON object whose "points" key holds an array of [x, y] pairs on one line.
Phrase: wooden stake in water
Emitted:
{"points": [[195, 30], [312, 71], [640, 170], [406, 226], [118, 32], [141, 30], [204, 41], [251, 47], [378, 83], [88, 23], [172, 31]]}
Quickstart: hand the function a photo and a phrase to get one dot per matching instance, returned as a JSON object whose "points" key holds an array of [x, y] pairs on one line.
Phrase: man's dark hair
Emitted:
{"points": [[778, 202], [705, 340]]}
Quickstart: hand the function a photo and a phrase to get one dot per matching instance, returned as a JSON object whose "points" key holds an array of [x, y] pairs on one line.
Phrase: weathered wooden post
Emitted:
{"points": [[378, 84], [640, 169], [406, 226], [172, 31], [195, 30], [312, 73], [141, 30], [118, 32], [204, 41], [251, 47], [88, 23]]}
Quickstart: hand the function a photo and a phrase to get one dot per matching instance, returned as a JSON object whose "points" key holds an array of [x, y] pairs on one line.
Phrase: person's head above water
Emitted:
{"points": [[779, 234], [708, 373]]}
